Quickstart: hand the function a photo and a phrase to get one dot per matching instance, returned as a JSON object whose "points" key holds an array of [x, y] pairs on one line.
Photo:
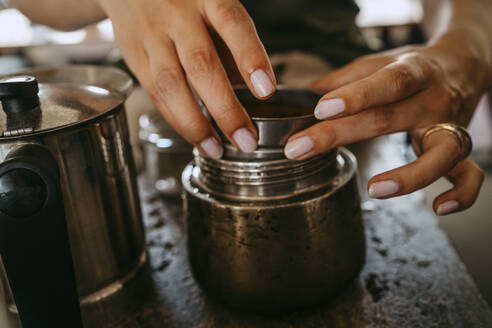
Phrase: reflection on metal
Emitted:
{"points": [[18, 132], [115, 286], [165, 154], [266, 233], [97, 174]]}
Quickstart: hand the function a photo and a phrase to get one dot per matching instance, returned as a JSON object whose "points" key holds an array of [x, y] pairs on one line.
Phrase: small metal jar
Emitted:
{"points": [[165, 154], [270, 234]]}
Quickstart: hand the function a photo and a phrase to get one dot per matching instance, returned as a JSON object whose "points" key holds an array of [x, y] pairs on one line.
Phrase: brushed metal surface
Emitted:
{"points": [[262, 227], [101, 199], [69, 97], [255, 255], [97, 174]]}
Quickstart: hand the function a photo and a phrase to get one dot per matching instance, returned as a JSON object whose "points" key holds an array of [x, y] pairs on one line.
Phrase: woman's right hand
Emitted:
{"points": [[166, 42]]}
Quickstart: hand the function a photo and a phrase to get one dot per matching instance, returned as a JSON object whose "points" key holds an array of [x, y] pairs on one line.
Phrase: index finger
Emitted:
{"points": [[234, 25], [202, 65], [394, 82]]}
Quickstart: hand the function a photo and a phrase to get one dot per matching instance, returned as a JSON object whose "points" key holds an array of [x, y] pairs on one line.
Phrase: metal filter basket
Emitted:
{"points": [[270, 234]]}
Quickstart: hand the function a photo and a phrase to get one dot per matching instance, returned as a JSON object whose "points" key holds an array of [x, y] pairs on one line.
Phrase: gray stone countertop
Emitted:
{"points": [[412, 276]]}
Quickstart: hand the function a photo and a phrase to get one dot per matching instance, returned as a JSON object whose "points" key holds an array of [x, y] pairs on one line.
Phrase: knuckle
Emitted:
{"points": [[448, 101], [193, 131], [166, 79], [227, 115], [253, 56], [382, 120], [451, 96], [427, 66], [364, 96], [419, 180], [202, 61], [230, 14], [403, 78]]}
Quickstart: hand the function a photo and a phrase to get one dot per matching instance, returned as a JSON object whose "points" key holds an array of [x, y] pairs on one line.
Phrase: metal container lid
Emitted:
{"points": [[49, 99], [277, 118]]}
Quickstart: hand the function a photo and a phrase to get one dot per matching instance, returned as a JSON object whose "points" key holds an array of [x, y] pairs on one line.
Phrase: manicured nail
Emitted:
{"points": [[212, 147], [298, 147], [245, 140], [383, 189], [329, 108], [261, 83], [447, 207]]}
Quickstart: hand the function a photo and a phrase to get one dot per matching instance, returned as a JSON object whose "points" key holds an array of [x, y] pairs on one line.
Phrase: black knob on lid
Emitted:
{"points": [[22, 193], [19, 93]]}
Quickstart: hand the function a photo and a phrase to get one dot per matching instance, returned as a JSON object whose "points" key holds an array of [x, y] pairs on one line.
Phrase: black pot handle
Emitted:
{"points": [[34, 242]]}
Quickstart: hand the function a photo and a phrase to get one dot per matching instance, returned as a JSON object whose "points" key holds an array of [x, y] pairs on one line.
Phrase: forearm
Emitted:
{"points": [[60, 14], [458, 25]]}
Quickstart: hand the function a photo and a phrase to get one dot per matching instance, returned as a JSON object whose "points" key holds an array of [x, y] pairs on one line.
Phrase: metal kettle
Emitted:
{"points": [[71, 231]]}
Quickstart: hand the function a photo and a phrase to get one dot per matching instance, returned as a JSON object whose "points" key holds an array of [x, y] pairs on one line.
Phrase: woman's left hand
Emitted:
{"points": [[406, 89]]}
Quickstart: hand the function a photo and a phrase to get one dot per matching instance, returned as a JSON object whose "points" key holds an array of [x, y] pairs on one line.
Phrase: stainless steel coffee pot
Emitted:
{"points": [[70, 223], [270, 234]]}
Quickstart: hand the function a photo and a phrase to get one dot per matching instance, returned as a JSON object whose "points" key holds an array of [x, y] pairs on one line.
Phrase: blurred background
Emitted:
{"points": [[385, 24]]}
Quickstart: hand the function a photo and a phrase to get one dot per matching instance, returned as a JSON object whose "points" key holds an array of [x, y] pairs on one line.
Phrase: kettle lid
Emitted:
{"points": [[49, 99]]}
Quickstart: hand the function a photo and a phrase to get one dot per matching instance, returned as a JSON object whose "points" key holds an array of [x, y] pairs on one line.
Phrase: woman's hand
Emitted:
{"points": [[407, 89], [167, 42]]}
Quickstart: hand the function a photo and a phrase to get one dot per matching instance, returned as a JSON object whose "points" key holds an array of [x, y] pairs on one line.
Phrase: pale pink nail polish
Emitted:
{"points": [[262, 84], [298, 147], [447, 207], [383, 189], [212, 147], [329, 108], [245, 140]]}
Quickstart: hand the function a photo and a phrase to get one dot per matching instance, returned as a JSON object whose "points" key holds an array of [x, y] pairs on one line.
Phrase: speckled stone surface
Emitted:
{"points": [[412, 276]]}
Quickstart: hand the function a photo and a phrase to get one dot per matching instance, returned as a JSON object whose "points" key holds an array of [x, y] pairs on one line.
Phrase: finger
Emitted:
{"points": [[441, 153], [234, 25], [202, 65], [467, 178], [321, 137], [394, 82], [356, 70], [175, 100]]}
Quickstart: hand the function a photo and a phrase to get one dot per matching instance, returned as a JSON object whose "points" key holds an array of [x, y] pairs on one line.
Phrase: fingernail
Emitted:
{"points": [[383, 189], [298, 147], [261, 83], [212, 147], [329, 108], [245, 140], [447, 207]]}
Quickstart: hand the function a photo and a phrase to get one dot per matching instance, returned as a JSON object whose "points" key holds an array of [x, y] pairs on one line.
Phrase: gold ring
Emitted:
{"points": [[461, 134]]}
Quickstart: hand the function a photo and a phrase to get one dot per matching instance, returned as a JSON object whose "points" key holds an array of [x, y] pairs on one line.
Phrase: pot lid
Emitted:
{"points": [[49, 99]]}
